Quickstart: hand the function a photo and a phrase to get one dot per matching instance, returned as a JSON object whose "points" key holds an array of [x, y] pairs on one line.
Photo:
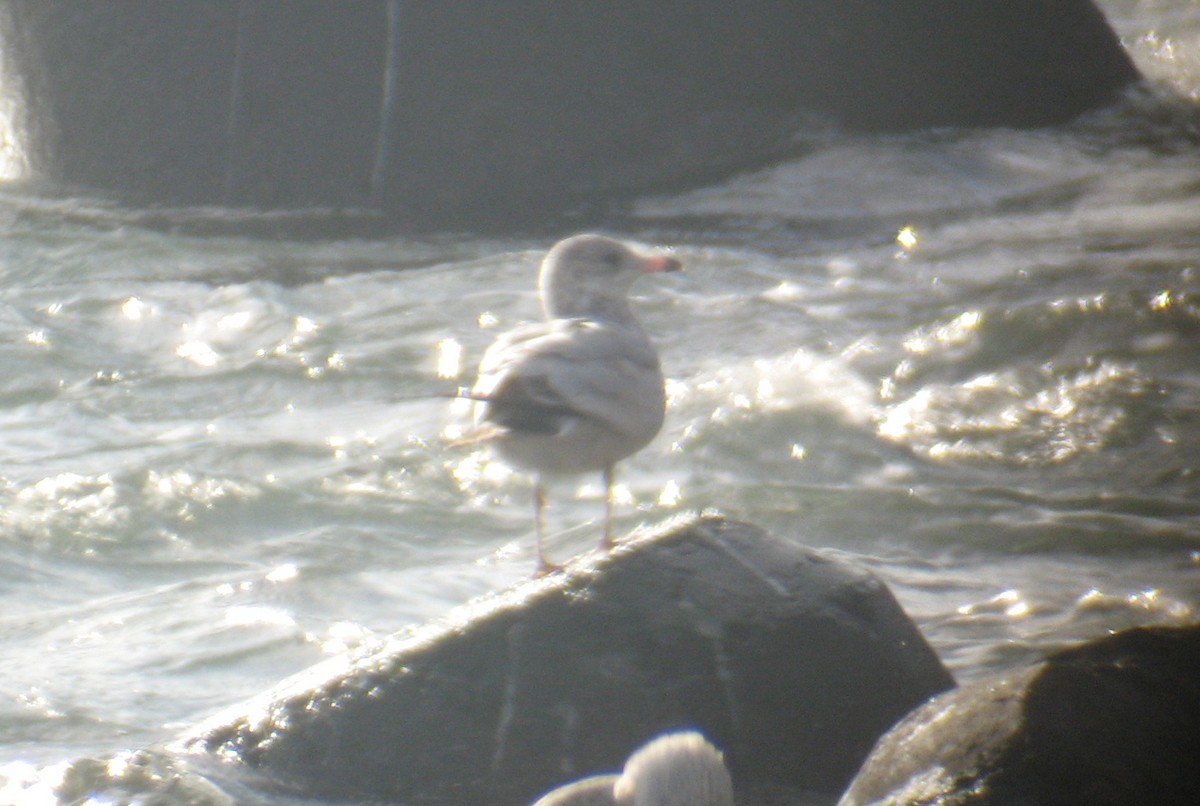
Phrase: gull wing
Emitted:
{"points": [[541, 377]]}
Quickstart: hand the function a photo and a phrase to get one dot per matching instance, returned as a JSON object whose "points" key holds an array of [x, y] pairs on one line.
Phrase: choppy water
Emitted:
{"points": [[970, 360]]}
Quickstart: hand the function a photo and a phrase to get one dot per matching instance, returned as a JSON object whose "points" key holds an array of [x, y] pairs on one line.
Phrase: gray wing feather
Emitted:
{"points": [[597, 370]]}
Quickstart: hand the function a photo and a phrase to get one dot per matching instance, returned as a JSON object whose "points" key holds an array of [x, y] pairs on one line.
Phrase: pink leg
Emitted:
{"points": [[539, 503]]}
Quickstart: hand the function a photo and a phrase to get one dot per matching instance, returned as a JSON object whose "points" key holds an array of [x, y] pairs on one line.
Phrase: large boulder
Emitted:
{"points": [[480, 112], [1113, 721], [789, 660]]}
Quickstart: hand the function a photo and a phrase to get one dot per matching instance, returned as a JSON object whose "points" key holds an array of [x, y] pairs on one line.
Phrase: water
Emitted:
{"points": [[969, 360]]}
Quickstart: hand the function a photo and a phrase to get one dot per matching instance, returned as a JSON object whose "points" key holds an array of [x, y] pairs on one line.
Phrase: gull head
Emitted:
{"points": [[679, 769], [588, 277]]}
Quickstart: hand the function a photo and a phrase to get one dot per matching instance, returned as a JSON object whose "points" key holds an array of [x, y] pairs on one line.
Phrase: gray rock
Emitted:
{"points": [[481, 112], [791, 661], [1112, 721]]}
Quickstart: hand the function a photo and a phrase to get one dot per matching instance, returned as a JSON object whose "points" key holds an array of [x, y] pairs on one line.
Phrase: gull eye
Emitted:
{"points": [[611, 258]]}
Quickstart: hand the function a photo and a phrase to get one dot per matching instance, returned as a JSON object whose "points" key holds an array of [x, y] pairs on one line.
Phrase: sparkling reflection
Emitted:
{"points": [[907, 238], [449, 358], [1147, 600], [135, 309], [283, 573], [1009, 603], [1036, 417], [958, 331], [670, 495], [199, 353], [257, 616]]}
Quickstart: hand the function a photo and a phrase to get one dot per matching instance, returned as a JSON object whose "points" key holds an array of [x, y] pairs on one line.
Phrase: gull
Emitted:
{"points": [[679, 769], [583, 389]]}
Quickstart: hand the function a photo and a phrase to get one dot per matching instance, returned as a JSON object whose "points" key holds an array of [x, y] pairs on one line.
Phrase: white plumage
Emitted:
{"points": [[582, 390], [678, 769]]}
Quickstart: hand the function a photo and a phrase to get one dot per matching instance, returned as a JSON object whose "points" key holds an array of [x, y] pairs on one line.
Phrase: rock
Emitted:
{"points": [[791, 661], [1112, 721], [483, 113]]}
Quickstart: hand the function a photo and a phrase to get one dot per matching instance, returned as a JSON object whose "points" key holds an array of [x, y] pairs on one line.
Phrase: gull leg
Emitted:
{"points": [[539, 503], [607, 541]]}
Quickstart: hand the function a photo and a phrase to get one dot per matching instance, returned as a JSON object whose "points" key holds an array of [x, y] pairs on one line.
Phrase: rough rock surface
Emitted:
{"points": [[480, 112], [789, 660], [1111, 721]]}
